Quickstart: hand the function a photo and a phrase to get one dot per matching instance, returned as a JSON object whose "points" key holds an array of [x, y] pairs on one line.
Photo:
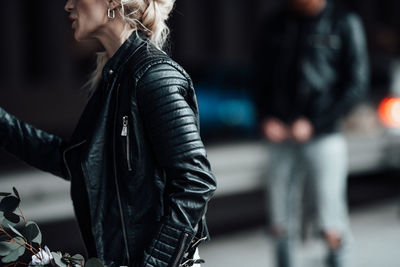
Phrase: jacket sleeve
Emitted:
{"points": [[355, 73], [36, 147], [169, 111]]}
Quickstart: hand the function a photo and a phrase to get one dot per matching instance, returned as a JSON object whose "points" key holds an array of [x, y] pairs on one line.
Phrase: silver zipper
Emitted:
{"points": [[117, 187], [195, 244], [65, 160], [180, 251], [126, 135]]}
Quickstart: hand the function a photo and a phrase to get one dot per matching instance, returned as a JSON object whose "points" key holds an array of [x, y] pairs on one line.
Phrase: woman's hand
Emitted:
{"points": [[275, 130], [302, 130]]}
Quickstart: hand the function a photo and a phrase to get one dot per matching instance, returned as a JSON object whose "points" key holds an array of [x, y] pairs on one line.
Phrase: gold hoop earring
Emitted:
{"points": [[110, 13]]}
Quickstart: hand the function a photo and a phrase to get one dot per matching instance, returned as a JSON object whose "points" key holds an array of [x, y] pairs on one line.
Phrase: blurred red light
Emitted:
{"points": [[389, 112]]}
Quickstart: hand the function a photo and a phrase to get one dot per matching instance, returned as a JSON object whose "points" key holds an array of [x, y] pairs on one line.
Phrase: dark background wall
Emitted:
{"points": [[43, 68]]}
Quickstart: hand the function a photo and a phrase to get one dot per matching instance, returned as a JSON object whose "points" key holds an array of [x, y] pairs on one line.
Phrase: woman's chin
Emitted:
{"points": [[80, 36], [76, 35]]}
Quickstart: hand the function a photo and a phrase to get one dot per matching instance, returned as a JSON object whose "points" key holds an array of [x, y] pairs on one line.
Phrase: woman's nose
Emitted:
{"points": [[68, 6]]}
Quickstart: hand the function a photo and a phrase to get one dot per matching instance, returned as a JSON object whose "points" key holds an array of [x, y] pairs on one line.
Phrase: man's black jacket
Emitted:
{"points": [[311, 67], [144, 166]]}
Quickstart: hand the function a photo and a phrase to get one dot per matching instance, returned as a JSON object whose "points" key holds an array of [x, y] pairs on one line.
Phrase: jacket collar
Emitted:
{"points": [[113, 65], [124, 52]]}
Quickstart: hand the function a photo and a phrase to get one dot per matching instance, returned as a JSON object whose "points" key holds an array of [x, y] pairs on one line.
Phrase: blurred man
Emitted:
{"points": [[312, 68]]}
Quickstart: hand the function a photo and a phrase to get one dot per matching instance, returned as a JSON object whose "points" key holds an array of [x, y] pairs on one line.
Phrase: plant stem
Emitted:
{"points": [[4, 231], [22, 215], [35, 250], [77, 260], [15, 264], [31, 248], [25, 245]]}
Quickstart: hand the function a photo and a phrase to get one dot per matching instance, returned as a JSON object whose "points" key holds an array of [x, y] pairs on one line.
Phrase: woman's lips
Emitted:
{"points": [[73, 21]]}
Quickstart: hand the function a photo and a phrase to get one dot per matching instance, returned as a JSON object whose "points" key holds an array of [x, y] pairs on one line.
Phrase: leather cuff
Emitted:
{"points": [[168, 247]]}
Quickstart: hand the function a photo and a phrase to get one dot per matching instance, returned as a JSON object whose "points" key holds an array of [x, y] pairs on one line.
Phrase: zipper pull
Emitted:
{"points": [[124, 126]]}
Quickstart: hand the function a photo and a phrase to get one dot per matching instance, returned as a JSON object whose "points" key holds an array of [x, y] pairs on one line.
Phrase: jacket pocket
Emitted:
{"points": [[125, 142]]}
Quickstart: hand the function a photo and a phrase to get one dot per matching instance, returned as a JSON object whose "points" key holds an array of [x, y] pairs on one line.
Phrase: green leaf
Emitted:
{"points": [[21, 250], [15, 231], [18, 239], [32, 232], [57, 259], [38, 238], [14, 255], [12, 217], [6, 223], [94, 262], [2, 194], [8, 247], [16, 192], [5, 248], [78, 260], [3, 238], [9, 204]]}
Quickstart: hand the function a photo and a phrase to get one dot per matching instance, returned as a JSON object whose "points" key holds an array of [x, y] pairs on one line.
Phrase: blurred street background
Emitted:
{"points": [[44, 68]]}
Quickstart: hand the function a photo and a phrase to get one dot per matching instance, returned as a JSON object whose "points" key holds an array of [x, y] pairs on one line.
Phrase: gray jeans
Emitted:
{"points": [[321, 164]]}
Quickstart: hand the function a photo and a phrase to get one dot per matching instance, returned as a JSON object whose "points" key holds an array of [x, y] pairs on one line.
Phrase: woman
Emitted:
{"points": [[140, 179]]}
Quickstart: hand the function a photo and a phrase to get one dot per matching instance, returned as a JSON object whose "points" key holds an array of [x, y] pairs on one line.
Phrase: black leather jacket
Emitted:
{"points": [[144, 166], [312, 67]]}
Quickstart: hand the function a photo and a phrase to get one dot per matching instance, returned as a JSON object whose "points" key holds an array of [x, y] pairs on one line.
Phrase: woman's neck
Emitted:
{"points": [[113, 35]]}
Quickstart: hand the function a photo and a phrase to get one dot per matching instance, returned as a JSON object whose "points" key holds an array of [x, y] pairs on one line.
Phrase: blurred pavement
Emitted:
{"points": [[376, 226], [376, 231]]}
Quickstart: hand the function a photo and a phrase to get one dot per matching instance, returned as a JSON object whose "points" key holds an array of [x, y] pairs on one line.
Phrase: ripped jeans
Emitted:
{"points": [[321, 164]]}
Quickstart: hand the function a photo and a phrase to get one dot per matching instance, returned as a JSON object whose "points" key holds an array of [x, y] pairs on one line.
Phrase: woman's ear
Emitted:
{"points": [[113, 4]]}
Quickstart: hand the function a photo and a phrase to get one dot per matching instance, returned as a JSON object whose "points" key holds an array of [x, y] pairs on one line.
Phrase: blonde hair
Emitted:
{"points": [[150, 16]]}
